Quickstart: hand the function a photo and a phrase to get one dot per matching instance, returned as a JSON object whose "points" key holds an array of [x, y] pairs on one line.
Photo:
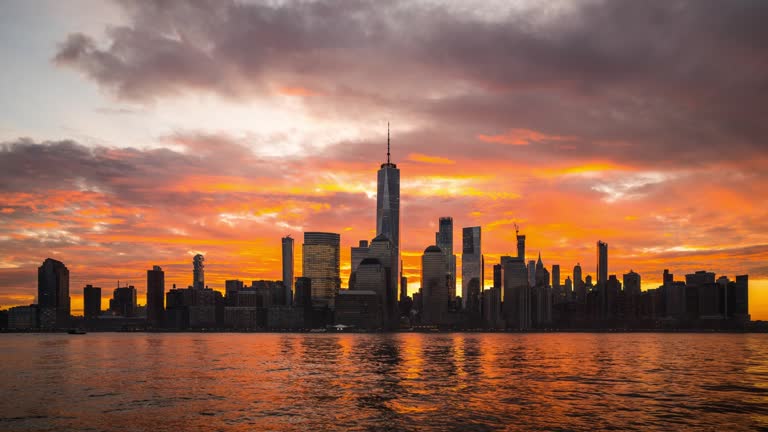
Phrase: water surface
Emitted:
{"points": [[460, 381]]}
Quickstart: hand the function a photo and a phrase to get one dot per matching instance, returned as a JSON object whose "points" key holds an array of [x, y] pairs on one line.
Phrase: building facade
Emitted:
{"points": [[155, 296], [434, 286], [321, 264], [287, 250], [388, 207], [471, 261], [53, 294], [444, 240], [91, 302]]}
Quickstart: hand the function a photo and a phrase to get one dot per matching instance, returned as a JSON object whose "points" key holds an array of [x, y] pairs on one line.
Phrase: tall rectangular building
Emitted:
{"points": [[517, 293], [434, 286], [288, 268], [155, 296], [53, 294], [556, 276], [91, 302], [444, 240], [198, 272], [471, 261], [602, 263], [320, 263], [388, 207]]}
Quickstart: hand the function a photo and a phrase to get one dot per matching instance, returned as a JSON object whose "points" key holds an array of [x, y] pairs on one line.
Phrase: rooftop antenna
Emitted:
{"points": [[387, 142], [517, 229]]}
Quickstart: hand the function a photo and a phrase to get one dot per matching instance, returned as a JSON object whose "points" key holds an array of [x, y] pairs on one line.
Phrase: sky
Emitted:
{"points": [[140, 133]]}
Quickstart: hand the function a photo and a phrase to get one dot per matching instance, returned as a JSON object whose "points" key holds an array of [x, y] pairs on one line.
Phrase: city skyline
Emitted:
{"points": [[126, 165]]}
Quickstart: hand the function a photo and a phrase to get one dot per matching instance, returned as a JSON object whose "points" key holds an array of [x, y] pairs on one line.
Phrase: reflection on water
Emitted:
{"points": [[243, 382]]}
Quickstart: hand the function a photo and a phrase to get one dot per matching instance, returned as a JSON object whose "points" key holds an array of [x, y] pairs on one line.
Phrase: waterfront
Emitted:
{"points": [[450, 381]]}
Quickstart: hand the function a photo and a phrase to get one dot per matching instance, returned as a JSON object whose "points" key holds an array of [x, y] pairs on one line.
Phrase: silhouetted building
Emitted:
{"points": [[123, 301], [602, 263], [303, 293], [738, 299], [517, 294], [231, 287], [434, 286], [520, 246], [198, 272], [23, 317], [287, 244], [194, 308], [491, 309], [668, 277], [359, 308], [710, 305], [498, 274], [556, 276], [155, 296], [320, 263], [676, 304], [388, 208], [91, 302], [471, 261], [541, 296], [578, 283], [373, 277], [568, 289], [444, 240], [532, 273], [632, 283], [53, 294], [382, 249], [699, 278], [358, 254]]}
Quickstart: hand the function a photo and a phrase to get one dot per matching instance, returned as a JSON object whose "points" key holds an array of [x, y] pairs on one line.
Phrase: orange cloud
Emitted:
{"points": [[297, 91], [521, 137], [418, 157]]}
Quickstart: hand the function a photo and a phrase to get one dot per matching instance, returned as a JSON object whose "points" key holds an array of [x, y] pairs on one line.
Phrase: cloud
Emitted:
{"points": [[674, 81], [521, 137], [419, 157]]}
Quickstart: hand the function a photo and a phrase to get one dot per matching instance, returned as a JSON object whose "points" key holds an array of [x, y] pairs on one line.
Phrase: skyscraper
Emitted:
{"points": [[288, 268], [381, 249], [471, 261], [517, 293], [357, 254], [532, 273], [434, 285], [556, 276], [444, 240], [123, 301], [53, 294], [374, 277], [198, 272], [91, 302], [388, 206], [602, 263], [632, 283], [155, 296], [520, 246], [320, 263], [578, 283]]}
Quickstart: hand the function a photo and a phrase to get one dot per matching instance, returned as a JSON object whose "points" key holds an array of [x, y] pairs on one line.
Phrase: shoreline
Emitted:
{"points": [[318, 331]]}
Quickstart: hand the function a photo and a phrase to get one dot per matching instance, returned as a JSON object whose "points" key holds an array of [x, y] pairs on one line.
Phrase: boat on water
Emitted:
{"points": [[76, 331]]}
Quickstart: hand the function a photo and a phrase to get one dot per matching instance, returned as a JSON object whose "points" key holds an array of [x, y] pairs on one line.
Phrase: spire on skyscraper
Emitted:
{"points": [[388, 142]]}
